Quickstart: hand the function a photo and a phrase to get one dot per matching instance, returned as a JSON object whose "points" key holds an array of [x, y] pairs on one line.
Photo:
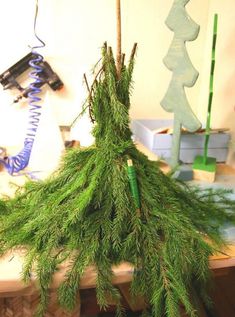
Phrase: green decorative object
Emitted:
{"points": [[133, 183], [204, 162], [184, 75], [86, 214]]}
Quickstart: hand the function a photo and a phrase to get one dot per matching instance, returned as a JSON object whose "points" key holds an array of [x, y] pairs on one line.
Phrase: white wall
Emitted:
{"points": [[81, 27], [75, 30], [224, 82], [223, 107]]}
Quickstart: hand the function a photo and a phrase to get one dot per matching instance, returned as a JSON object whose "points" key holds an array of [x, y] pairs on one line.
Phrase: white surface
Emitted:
{"points": [[48, 145], [74, 32]]}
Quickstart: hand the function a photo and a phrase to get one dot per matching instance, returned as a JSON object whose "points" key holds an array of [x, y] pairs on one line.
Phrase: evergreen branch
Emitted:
{"points": [[89, 99], [85, 214]]}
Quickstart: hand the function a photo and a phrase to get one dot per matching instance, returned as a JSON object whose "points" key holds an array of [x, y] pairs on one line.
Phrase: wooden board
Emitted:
{"points": [[204, 176], [11, 268]]}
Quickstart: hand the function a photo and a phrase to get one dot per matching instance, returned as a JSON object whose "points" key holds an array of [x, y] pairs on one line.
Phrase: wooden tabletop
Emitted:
{"points": [[11, 268]]}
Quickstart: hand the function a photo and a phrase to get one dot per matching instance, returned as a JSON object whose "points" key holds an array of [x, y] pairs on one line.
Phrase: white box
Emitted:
{"points": [[191, 143]]}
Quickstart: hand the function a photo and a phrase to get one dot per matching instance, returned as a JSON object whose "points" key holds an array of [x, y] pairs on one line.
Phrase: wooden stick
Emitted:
{"points": [[123, 59], [133, 51], [119, 39], [90, 90], [89, 98], [110, 51], [129, 162], [87, 85]]}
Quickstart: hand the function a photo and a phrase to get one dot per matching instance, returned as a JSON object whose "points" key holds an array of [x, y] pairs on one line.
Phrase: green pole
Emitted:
{"points": [[208, 121]]}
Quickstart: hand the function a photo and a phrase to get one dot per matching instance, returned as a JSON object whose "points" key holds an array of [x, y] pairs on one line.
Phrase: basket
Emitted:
{"points": [[25, 306]]}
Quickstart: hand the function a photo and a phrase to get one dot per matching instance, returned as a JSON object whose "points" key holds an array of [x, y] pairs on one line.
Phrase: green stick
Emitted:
{"points": [[208, 122]]}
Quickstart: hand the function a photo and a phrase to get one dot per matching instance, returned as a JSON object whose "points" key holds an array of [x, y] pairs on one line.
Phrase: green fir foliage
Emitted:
{"points": [[85, 214]]}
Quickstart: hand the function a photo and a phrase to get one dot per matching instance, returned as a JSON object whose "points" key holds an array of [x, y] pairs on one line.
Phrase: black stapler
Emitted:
{"points": [[8, 79]]}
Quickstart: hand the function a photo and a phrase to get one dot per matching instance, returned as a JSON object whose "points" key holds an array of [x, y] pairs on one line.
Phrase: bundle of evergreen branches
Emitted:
{"points": [[86, 214]]}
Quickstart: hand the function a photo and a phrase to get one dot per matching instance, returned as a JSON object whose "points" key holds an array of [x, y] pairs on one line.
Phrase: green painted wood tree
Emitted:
{"points": [[109, 204], [183, 75]]}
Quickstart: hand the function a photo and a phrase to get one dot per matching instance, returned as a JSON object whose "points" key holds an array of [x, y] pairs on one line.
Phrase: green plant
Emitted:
{"points": [[86, 214]]}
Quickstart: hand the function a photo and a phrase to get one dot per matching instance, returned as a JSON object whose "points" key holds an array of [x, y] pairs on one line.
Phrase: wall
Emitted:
{"points": [[223, 111], [75, 30], [80, 28]]}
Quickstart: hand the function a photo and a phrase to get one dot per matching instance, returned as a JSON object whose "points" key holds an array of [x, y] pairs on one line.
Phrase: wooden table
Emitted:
{"points": [[11, 285], [11, 267]]}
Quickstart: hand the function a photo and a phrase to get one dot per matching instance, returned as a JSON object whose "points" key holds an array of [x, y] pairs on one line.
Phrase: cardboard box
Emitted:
{"points": [[145, 131]]}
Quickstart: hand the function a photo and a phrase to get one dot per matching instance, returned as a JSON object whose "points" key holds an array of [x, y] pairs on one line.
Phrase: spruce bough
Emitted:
{"points": [[86, 214]]}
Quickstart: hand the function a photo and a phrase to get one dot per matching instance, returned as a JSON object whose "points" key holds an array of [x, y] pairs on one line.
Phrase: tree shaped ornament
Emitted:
{"points": [[184, 75]]}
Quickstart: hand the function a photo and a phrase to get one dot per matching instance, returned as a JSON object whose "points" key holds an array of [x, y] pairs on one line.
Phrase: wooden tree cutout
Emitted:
{"points": [[184, 74]]}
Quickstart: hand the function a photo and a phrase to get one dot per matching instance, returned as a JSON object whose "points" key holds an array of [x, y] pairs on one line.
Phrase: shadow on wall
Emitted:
{"points": [[229, 121], [228, 55], [228, 92], [229, 89]]}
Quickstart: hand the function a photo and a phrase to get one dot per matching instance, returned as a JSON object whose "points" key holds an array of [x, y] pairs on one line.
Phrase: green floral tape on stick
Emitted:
{"points": [[133, 183]]}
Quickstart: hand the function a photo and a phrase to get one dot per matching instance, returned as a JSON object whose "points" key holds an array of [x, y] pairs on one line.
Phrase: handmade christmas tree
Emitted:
{"points": [[107, 204], [184, 74]]}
